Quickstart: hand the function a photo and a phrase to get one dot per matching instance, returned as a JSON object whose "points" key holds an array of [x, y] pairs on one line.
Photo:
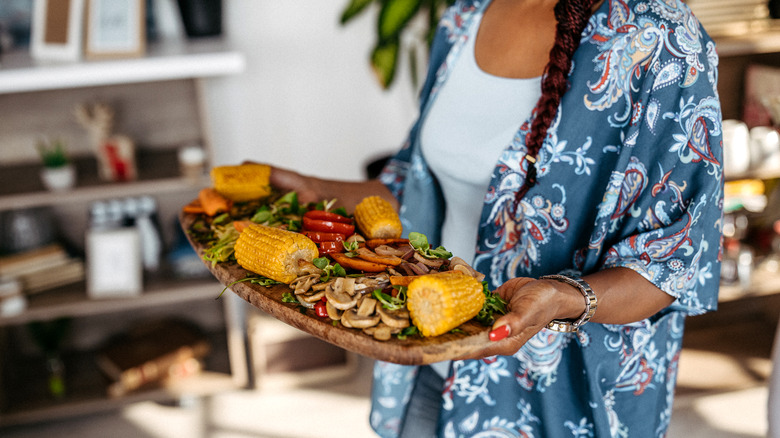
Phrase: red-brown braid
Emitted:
{"points": [[572, 17]]}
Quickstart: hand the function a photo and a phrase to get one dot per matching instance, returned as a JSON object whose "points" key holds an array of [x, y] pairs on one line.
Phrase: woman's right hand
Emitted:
{"points": [[307, 187]]}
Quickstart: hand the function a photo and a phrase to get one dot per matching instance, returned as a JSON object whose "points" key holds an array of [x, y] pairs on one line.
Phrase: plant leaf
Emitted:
{"points": [[394, 16], [384, 59], [353, 9]]}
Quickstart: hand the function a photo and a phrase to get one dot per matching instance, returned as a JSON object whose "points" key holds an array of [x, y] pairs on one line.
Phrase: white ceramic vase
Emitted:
{"points": [[59, 178]]}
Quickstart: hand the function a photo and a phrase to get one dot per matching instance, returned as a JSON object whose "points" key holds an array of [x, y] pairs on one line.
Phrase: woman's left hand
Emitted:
{"points": [[531, 305]]}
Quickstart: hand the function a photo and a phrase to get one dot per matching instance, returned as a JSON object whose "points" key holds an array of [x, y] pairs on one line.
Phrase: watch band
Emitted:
{"points": [[591, 303]]}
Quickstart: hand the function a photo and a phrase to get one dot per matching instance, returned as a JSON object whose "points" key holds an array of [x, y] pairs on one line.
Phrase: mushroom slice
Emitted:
{"points": [[307, 267], [350, 318], [303, 283], [311, 297], [458, 264], [339, 298], [366, 306], [333, 313], [372, 282], [394, 318], [380, 332], [346, 284]]}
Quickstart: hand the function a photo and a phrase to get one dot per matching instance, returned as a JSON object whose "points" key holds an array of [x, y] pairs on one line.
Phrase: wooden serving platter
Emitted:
{"points": [[414, 350]]}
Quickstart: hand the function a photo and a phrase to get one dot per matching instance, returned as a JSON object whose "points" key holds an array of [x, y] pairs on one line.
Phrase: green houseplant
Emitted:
{"points": [[394, 19], [58, 172]]}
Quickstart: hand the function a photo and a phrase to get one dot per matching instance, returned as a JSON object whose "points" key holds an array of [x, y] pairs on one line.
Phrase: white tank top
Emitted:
{"points": [[472, 120]]}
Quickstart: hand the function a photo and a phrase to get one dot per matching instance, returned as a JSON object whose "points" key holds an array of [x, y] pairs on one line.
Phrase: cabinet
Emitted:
{"points": [[160, 106]]}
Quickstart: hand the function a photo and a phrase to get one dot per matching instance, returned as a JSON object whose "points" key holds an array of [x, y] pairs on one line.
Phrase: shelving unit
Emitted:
{"points": [[191, 63]]}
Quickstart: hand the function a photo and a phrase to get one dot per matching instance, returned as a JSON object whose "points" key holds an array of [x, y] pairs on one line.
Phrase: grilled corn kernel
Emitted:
{"points": [[440, 302], [244, 182], [377, 219], [273, 252]]}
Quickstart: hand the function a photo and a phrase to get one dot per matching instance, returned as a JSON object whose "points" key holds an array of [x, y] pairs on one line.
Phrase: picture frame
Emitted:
{"points": [[115, 29], [114, 265], [57, 29]]}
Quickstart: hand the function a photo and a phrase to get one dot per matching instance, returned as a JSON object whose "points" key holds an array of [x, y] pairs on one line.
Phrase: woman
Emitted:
{"points": [[565, 138]]}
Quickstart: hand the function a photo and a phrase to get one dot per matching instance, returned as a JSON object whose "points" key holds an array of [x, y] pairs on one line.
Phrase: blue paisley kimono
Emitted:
{"points": [[630, 175]]}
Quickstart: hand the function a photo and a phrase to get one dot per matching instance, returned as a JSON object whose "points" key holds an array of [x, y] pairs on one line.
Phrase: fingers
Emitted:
{"points": [[290, 180]]}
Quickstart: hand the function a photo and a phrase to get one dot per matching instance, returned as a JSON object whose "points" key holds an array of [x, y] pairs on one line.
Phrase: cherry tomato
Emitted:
{"points": [[310, 224], [327, 216], [320, 309], [331, 247], [322, 236]]}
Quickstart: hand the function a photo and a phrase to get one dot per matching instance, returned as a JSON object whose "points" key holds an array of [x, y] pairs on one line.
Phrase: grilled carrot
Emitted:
{"points": [[212, 201]]}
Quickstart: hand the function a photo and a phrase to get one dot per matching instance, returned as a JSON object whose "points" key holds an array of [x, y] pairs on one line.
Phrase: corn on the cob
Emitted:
{"points": [[244, 182], [377, 219], [273, 252], [440, 302]]}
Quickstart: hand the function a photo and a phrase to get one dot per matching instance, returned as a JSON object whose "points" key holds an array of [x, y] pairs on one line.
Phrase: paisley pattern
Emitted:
{"points": [[629, 176]]}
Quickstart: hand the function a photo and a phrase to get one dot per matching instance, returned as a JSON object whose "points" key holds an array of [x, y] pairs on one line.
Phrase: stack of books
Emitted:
{"points": [[42, 269]]}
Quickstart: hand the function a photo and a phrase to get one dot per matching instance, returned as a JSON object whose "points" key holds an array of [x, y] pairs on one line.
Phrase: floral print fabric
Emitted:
{"points": [[629, 176]]}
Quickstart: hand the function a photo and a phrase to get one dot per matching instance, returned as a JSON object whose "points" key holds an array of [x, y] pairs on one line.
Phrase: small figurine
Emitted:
{"points": [[115, 153]]}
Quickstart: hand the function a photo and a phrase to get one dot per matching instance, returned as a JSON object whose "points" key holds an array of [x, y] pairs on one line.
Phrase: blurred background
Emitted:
{"points": [[105, 135]]}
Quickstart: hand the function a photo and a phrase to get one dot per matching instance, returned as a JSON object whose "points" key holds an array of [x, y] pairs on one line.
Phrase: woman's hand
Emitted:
{"points": [[624, 296], [531, 305], [289, 180], [313, 189]]}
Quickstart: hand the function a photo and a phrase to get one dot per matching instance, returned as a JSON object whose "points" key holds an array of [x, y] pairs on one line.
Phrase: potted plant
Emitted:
{"points": [[394, 19], [58, 172]]}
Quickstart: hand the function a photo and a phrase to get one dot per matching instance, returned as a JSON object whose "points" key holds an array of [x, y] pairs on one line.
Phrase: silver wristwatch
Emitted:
{"points": [[591, 303]]}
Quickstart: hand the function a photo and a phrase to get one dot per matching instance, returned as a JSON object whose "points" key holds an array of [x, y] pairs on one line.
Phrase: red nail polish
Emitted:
{"points": [[499, 333]]}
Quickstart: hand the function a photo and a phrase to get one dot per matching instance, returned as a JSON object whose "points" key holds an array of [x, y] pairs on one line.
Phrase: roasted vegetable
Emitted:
{"points": [[244, 182], [377, 219], [273, 252], [212, 202], [440, 302]]}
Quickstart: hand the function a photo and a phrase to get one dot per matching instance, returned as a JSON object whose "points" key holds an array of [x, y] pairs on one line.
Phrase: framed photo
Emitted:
{"points": [[57, 29], [115, 28], [114, 266]]}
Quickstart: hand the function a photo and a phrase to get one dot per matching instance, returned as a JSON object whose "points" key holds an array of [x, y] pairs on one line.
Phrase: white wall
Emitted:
{"points": [[308, 99]]}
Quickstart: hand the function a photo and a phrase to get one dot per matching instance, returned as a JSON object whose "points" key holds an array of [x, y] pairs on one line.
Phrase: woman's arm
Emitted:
{"points": [[623, 296], [312, 189]]}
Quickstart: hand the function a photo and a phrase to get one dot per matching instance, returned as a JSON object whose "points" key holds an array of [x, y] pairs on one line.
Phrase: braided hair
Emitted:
{"points": [[572, 16]]}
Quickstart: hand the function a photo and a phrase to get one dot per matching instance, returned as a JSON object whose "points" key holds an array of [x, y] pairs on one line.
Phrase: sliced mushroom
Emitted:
{"points": [[303, 283], [458, 264], [346, 284], [433, 263], [307, 267], [350, 318], [366, 306], [311, 296], [339, 298], [380, 332], [394, 318], [333, 313]]}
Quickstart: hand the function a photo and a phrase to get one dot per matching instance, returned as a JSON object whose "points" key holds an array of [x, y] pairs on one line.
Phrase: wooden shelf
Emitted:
{"points": [[158, 173], [24, 398], [178, 59], [72, 300], [27, 400]]}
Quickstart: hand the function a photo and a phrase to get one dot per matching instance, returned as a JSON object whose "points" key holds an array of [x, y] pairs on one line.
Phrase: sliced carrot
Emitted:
{"points": [[402, 280], [373, 243], [193, 207], [241, 225], [356, 263], [212, 201], [371, 256]]}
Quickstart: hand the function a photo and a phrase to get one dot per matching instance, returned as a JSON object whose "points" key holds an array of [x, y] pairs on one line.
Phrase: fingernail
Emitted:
{"points": [[499, 333]]}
